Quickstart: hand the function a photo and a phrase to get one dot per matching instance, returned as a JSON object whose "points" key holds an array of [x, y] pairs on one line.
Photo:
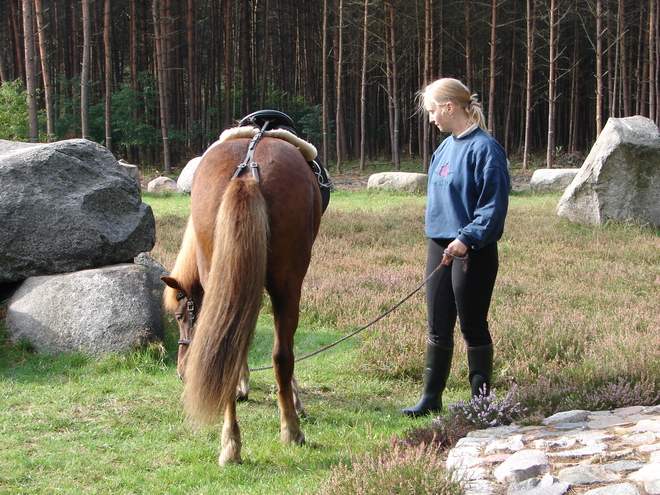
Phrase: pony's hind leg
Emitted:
{"points": [[300, 409], [231, 438], [283, 360], [243, 388]]}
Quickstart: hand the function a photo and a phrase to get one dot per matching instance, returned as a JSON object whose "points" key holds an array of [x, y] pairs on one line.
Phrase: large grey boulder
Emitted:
{"points": [[620, 179], [99, 311], [552, 179], [67, 206], [399, 181], [185, 180]]}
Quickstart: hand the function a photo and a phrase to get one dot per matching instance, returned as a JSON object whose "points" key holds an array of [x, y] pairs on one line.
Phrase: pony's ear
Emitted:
{"points": [[171, 282]]}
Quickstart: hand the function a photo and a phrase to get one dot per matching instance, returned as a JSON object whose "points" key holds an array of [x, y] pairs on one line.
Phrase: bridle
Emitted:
{"points": [[192, 314]]}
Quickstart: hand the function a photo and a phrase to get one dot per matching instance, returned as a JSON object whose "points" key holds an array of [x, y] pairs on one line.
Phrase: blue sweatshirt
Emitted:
{"points": [[468, 190]]}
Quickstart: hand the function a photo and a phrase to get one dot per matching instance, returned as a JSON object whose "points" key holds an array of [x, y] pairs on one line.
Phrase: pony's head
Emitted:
{"points": [[185, 305]]}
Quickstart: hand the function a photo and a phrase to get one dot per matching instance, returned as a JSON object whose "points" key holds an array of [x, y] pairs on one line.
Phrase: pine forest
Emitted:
{"points": [[156, 81]]}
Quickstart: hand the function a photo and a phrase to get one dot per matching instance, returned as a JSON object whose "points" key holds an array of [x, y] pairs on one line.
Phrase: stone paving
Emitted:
{"points": [[575, 452]]}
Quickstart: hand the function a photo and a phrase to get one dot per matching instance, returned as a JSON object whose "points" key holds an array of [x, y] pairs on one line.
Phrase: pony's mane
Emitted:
{"points": [[184, 270], [307, 149]]}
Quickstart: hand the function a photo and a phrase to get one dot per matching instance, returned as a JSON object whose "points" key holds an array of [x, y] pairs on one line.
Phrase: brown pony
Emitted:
{"points": [[243, 235]]}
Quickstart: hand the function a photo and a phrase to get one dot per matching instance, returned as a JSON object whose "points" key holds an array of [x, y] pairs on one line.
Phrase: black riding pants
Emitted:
{"points": [[454, 292]]}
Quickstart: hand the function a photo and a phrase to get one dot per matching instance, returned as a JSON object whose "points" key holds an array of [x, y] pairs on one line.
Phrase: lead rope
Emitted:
{"points": [[375, 320]]}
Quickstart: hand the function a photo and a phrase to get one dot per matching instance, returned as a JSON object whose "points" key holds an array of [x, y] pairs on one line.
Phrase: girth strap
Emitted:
{"points": [[249, 158]]}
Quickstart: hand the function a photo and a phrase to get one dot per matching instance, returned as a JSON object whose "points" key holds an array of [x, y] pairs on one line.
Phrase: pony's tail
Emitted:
{"points": [[232, 301]]}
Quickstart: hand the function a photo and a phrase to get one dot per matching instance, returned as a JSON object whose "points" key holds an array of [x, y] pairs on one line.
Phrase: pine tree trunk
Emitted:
{"points": [[363, 88], [229, 74], [393, 85], [531, 28], [193, 82], [339, 110], [599, 67], [264, 55], [45, 70], [426, 78], [325, 105], [159, 47], [86, 67], [654, 111], [468, 43], [30, 70], [493, 69], [552, 84], [107, 43]]}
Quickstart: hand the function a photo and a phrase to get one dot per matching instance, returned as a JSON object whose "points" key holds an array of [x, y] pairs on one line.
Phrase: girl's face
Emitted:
{"points": [[440, 116]]}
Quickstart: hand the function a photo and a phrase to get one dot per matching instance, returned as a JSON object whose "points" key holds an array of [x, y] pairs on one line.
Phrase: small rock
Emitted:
{"points": [[185, 180], [592, 437], [479, 487], [465, 457], [618, 489], [647, 425], [621, 466], [552, 179], [512, 444], [522, 465], [496, 458], [627, 411], [650, 472], [399, 181], [566, 417], [652, 487], [547, 485], [562, 443], [469, 474], [589, 450], [161, 184], [586, 475], [649, 448], [602, 423], [638, 438]]}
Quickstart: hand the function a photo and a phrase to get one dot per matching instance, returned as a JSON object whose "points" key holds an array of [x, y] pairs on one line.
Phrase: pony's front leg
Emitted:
{"points": [[231, 438]]}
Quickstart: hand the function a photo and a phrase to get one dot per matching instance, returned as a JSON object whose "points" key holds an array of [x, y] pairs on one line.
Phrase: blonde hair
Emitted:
{"points": [[447, 89]]}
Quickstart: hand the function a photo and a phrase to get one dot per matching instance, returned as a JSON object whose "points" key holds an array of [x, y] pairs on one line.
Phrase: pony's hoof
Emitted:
{"points": [[299, 438], [224, 460]]}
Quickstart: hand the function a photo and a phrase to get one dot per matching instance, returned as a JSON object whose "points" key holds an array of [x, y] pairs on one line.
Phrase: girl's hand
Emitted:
{"points": [[455, 248]]}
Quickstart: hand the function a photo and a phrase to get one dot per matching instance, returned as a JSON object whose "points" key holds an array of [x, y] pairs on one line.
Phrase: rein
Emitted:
{"points": [[191, 314]]}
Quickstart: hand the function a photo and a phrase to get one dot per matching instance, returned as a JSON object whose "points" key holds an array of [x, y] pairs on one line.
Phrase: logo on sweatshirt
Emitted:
{"points": [[444, 174], [444, 170]]}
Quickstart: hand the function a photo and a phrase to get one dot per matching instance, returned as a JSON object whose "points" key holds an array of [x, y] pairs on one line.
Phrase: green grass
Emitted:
{"points": [[570, 301]]}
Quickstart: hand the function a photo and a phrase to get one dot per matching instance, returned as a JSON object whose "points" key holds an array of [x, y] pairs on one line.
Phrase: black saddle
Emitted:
{"points": [[273, 119]]}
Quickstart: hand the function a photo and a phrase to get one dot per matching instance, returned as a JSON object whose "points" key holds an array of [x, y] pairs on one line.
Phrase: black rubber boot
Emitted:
{"points": [[438, 366], [480, 364]]}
